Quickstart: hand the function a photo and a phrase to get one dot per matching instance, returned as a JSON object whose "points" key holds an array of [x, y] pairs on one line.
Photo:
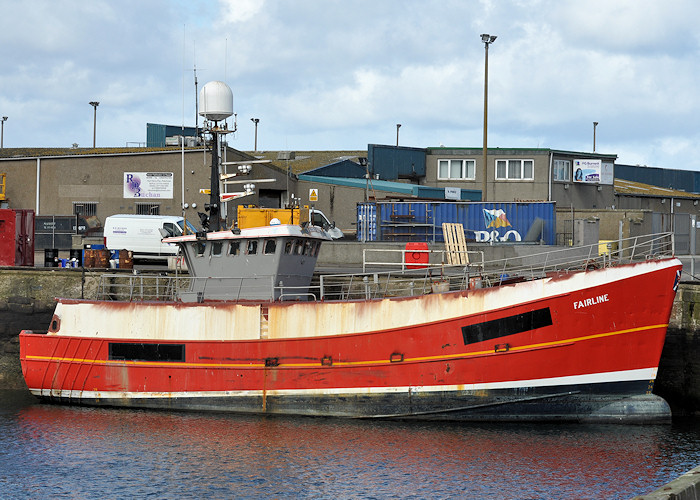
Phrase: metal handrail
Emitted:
{"points": [[398, 282]]}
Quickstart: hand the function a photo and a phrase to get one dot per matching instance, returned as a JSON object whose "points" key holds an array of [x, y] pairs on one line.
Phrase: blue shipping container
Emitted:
{"points": [[483, 222]]}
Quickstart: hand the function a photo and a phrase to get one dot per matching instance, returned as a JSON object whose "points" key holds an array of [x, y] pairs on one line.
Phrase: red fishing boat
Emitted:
{"points": [[552, 343], [561, 335]]}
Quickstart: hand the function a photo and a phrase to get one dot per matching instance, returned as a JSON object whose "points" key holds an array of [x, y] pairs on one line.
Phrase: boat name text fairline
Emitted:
{"points": [[590, 301]]}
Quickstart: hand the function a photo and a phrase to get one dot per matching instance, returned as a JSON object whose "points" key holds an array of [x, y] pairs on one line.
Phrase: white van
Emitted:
{"points": [[141, 234]]}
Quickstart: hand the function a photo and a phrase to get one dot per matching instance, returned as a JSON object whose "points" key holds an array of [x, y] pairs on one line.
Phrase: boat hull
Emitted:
{"points": [[571, 348]]}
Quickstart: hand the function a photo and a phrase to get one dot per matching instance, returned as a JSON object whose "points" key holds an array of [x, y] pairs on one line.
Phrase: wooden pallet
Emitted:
{"points": [[455, 244]]}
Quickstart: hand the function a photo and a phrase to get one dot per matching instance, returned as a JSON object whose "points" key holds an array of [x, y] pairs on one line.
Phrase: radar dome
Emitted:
{"points": [[215, 101]]}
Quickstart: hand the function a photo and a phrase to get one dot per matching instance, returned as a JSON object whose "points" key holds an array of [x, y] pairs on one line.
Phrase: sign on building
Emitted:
{"points": [[148, 185], [453, 193], [313, 194], [587, 171], [607, 173]]}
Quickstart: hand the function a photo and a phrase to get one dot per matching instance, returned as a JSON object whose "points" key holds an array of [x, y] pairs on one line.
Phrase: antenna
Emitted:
{"points": [[196, 95], [196, 104]]}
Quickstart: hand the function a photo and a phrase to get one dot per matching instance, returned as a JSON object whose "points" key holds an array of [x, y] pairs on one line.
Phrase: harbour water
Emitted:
{"points": [[49, 451]]}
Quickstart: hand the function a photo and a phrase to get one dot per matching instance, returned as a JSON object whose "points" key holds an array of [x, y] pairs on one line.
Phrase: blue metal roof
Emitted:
{"points": [[343, 168], [413, 190]]}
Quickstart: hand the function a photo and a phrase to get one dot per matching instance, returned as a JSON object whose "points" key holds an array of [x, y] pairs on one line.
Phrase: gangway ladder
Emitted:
{"points": [[455, 244]]}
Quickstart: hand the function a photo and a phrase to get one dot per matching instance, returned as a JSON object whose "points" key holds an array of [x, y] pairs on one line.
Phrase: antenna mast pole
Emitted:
{"points": [[196, 104]]}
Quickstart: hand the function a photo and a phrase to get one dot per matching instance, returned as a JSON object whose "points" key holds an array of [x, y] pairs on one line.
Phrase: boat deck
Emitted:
{"points": [[385, 278]]}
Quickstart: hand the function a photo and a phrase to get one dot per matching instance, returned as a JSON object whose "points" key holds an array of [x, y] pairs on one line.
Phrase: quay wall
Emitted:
{"points": [[685, 487], [27, 297]]}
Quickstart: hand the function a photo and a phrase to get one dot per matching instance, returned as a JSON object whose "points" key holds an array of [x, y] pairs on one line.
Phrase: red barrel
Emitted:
{"points": [[416, 256]]}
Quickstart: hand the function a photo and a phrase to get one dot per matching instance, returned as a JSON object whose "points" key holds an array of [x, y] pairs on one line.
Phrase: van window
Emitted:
{"points": [[172, 229], [190, 227], [319, 220]]}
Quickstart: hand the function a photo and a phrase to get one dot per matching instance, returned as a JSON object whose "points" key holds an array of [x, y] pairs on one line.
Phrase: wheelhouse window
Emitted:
{"points": [[252, 248], [216, 248], [201, 247], [288, 246], [456, 169], [515, 169], [270, 246], [234, 248], [561, 170], [298, 247]]}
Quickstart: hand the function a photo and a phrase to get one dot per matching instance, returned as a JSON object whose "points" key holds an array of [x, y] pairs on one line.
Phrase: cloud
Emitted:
{"points": [[340, 74]]}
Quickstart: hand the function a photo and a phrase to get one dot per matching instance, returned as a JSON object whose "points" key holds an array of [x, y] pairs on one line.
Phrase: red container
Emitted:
{"points": [[16, 237], [416, 256]]}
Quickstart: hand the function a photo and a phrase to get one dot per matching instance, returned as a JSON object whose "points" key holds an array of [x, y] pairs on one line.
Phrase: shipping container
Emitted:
{"points": [[517, 222], [16, 237]]}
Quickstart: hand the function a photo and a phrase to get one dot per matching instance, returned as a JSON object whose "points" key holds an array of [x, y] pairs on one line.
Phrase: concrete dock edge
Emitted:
{"points": [[685, 487]]}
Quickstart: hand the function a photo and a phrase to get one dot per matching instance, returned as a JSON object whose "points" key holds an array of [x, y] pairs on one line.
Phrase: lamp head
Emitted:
{"points": [[487, 39]]}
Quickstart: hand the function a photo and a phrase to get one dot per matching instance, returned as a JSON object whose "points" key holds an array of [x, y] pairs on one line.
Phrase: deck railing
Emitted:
{"points": [[482, 273], [387, 282]]}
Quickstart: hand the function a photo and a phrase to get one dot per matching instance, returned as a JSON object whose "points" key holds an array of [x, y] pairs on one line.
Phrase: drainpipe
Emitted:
{"points": [[38, 185], [551, 161]]}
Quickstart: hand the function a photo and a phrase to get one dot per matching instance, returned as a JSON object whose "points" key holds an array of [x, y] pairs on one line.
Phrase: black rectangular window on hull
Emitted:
{"points": [[503, 327], [146, 352]]}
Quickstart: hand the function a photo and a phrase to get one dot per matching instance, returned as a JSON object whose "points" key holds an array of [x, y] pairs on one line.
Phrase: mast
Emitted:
{"points": [[214, 197]]}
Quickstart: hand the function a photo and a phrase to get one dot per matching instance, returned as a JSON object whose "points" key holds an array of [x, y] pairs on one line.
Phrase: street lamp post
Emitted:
{"points": [[488, 40], [94, 104], [595, 124], [2, 133], [398, 126], [256, 121]]}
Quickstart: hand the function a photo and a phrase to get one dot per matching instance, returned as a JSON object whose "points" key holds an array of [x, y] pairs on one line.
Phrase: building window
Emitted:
{"points": [[456, 169], [562, 170], [85, 208], [515, 169], [147, 209]]}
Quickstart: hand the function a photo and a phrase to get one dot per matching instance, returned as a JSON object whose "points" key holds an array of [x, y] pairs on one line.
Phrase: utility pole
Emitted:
{"points": [[94, 104], [488, 40], [256, 121], [2, 133]]}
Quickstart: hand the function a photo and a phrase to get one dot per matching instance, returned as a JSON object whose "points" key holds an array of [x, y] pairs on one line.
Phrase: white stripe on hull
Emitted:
{"points": [[644, 374]]}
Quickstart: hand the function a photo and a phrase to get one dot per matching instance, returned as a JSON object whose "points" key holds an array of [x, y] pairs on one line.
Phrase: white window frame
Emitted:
{"points": [[521, 170], [561, 166], [463, 169]]}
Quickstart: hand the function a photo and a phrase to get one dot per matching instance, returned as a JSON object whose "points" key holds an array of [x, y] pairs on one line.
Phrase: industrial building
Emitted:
{"points": [[94, 183]]}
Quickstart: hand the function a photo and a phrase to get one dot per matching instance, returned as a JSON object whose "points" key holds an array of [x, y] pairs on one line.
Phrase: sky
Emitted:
{"points": [[340, 74]]}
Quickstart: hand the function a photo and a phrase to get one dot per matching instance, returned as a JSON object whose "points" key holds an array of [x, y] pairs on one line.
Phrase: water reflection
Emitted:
{"points": [[86, 452]]}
